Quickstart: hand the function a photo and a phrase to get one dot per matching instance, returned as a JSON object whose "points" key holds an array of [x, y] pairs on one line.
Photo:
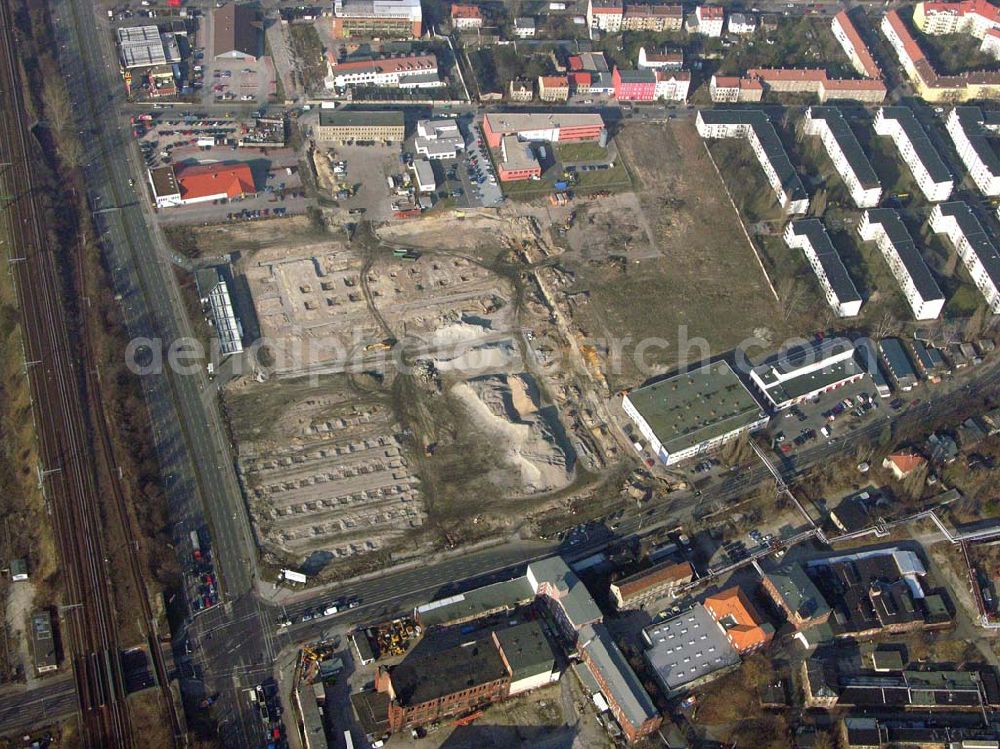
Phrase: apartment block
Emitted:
{"points": [[884, 227], [966, 127], [846, 154], [975, 17], [653, 18], [974, 247], [672, 85], [847, 34], [711, 20], [756, 128], [809, 235], [918, 153], [606, 15]]}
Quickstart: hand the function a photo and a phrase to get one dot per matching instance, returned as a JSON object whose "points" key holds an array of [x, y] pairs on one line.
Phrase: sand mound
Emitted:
{"points": [[505, 410]]}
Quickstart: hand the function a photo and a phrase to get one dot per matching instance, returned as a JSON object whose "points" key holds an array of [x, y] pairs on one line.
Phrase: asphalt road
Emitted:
{"points": [[24, 710]]}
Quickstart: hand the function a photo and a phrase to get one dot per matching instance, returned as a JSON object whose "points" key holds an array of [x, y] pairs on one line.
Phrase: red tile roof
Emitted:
{"points": [[709, 12], [738, 616], [580, 78], [465, 11], [202, 181], [553, 81], [968, 7], [906, 462], [860, 48]]}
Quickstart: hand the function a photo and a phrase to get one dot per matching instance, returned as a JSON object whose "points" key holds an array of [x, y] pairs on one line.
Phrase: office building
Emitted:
{"points": [[355, 124], [396, 19], [651, 584], [744, 627], [688, 650], [554, 127]]}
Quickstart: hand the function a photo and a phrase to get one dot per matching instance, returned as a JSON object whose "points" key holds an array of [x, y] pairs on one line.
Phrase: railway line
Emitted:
{"points": [[68, 473]]}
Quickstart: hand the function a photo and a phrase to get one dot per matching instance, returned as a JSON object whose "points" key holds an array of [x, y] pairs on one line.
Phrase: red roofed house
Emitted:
{"points": [[736, 614], [579, 82], [732, 89], [204, 182], [854, 46], [466, 17], [974, 17], [903, 464], [553, 87]]}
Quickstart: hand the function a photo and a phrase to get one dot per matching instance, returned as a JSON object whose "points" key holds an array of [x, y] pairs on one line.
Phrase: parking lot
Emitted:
{"points": [[232, 80], [828, 417], [364, 174]]}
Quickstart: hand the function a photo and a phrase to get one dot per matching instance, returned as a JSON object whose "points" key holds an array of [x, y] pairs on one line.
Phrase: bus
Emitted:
{"points": [[348, 741]]}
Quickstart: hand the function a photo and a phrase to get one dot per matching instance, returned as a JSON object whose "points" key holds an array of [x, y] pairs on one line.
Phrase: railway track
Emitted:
{"points": [[68, 473]]}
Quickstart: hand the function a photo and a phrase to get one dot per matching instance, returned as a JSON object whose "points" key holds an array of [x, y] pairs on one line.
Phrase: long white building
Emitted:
{"points": [[973, 245], [809, 235], [966, 126], [412, 71], [754, 125], [884, 227], [921, 157], [846, 154], [693, 412], [803, 372]]}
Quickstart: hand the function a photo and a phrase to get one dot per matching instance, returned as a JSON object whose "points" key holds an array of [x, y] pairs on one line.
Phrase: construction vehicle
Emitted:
{"points": [[469, 719], [384, 345], [406, 254]]}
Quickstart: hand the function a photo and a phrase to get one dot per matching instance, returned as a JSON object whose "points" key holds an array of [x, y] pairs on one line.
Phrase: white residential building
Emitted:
{"points": [[974, 247], [711, 20], [974, 17], [884, 227], [667, 60], [754, 125], [809, 235], [524, 28], [607, 17], [928, 169], [965, 125], [991, 44], [846, 154], [861, 58], [413, 71], [671, 85], [742, 23]]}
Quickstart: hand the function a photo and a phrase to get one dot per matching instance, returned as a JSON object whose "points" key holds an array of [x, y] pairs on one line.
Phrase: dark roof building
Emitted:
{"points": [[428, 688], [236, 33], [897, 363], [794, 593], [809, 235], [528, 655], [43, 642]]}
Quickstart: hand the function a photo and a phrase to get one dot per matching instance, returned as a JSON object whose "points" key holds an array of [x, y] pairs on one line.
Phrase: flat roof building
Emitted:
{"points": [[803, 372], [528, 655], [43, 643], [756, 127], [384, 18], [809, 235], [974, 247], [555, 127], [141, 46], [650, 584], [214, 291], [845, 152], [424, 173], [480, 602], [688, 650], [693, 412], [236, 33], [517, 160], [884, 227], [921, 157], [568, 598], [356, 124]]}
